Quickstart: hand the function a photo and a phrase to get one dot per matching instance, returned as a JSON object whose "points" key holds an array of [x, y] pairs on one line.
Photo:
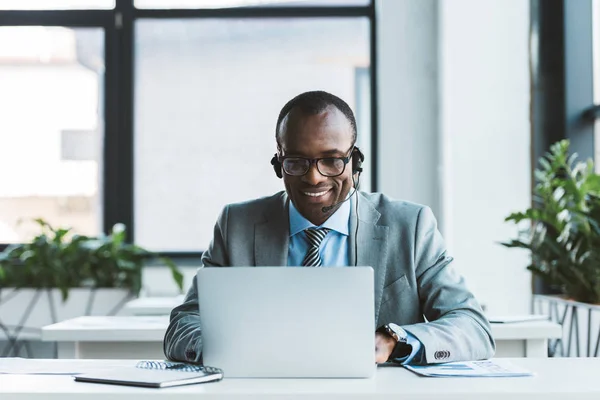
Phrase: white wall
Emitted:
{"points": [[486, 140], [407, 46], [454, 129]]}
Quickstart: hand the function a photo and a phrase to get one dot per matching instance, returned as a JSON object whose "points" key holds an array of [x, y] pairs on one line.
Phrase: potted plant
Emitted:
{"points": [[562, 231], [59, 275]]}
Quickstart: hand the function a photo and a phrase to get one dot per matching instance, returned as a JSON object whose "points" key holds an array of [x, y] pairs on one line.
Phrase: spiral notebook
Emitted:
{"points": [[155, 374]]}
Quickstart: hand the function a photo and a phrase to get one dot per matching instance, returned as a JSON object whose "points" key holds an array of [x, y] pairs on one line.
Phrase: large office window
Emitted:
{"points": [[207, 96], [51, 129], [156, 113]]}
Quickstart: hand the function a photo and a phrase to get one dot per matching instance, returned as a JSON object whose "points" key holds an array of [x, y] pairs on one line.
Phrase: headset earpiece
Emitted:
{"points": [[357, 159], [276, 166]]}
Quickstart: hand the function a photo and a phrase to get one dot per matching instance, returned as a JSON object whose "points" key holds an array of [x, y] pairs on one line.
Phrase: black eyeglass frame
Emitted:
{"points": [[315, 161]]}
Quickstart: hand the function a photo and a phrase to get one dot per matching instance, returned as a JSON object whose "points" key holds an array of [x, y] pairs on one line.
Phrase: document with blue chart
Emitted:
{"points": [[483, 369]]}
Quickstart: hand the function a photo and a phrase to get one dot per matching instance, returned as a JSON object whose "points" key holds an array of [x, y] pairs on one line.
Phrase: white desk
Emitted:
{"points": [[135, 337], [524, 339], [555, 379], [109, 337], [152, 305]]}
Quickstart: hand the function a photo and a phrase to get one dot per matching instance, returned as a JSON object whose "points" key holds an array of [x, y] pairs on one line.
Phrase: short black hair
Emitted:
{"points": [[315, 102]]}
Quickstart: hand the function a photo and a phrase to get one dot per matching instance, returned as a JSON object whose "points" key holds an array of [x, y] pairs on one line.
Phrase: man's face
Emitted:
{"points": [[328, 134]]}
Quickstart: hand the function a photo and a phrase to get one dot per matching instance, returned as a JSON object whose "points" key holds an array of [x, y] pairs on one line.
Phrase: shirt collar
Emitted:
{"points": [[338, 221]]}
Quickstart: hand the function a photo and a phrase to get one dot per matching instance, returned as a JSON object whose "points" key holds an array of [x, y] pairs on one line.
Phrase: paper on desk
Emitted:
{"points": [[33, 366], [484, 368], [504, 319]]}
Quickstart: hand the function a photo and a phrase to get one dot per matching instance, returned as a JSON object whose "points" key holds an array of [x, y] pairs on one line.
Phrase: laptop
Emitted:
{"points": [[288, 322]]}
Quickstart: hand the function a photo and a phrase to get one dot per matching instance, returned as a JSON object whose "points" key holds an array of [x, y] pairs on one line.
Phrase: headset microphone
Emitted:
{"points": [[328, 208]]}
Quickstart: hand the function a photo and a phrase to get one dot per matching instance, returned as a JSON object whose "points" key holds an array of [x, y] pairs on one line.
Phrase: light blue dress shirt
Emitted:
{"points": [[334, 250]]}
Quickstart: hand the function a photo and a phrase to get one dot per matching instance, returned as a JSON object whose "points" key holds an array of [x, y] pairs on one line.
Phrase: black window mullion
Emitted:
{"points": [[374, 110], [256, 12], [67, 18], [118, 154]]}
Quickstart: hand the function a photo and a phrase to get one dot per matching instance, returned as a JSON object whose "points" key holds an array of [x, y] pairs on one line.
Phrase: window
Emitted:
{"points": [[207, 95], [156, 113], [49, 87]]}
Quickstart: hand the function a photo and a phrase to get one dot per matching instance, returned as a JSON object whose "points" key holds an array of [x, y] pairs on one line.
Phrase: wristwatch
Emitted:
{"points": [[402, 348]]}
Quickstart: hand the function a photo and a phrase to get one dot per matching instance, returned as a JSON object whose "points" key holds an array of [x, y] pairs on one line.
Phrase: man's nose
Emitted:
{"points": [[313, 176]]}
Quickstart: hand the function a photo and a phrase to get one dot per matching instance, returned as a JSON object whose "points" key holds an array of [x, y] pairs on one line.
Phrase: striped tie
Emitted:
{"points": [[315, 237]]}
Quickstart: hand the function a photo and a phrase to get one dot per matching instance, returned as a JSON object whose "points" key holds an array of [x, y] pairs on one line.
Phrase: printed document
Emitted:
{"points": [[485, 368]]}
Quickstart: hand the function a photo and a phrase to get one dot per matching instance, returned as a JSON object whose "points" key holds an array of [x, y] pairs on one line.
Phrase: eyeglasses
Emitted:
{"points": [[328, 166]]}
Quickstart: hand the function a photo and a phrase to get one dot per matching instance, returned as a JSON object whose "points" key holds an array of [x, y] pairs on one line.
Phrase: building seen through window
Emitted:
{"points": [[51, 129]]}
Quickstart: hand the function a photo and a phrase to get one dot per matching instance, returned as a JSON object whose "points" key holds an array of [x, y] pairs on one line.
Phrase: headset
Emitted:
{"points": [[357, 159]]}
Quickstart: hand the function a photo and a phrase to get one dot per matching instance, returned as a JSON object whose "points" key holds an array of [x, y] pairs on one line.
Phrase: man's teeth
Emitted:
{"points": [[315, 194]]}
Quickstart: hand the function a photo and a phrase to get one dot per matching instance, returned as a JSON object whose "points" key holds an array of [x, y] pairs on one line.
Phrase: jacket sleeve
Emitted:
{"points": [[183, 339], [457, 329]]}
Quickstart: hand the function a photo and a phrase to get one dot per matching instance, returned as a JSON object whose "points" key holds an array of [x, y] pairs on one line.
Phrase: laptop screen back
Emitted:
{"points": [[288, 321]]}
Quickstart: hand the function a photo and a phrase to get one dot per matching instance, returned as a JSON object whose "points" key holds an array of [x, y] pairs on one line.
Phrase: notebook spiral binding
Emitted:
{"points": [[171, 365]]}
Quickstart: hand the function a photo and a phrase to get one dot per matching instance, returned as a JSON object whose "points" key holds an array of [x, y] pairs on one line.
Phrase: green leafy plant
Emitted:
{"points": [[563, 233], [57, 259]]}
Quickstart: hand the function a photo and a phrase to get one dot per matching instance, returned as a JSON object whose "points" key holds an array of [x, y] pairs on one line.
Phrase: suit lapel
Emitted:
{"points": [[372, 244], [271, 236]]}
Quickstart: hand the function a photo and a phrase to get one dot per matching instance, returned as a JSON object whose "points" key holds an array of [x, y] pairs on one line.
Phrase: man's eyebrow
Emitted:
{"points": [[334, 151], [325, 153]]}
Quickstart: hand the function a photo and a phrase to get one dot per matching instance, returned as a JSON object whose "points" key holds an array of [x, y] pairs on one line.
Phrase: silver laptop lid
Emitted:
{"points": [[288, 321]]}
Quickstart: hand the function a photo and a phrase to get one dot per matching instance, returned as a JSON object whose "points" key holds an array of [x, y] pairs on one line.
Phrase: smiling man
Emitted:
{"points": [[323, 138], [424, 312]]}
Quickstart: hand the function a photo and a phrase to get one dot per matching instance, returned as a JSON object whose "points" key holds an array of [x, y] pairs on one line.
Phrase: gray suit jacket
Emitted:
{"points": [[415, 284]]}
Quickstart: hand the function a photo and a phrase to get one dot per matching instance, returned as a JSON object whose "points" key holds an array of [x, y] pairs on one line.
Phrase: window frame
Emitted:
{"points": [[562, 78], [118, 25], [579, 77]]}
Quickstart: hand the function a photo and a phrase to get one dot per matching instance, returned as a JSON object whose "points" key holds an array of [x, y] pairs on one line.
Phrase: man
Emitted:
{"points": [[320, 220]]}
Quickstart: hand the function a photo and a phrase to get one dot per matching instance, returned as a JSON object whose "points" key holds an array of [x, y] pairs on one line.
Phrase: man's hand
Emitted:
{"points": [[384, 345]]}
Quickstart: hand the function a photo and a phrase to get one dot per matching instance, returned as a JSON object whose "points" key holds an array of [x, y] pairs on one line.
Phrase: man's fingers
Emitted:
{"points": [[380, 355], [383, 348]]}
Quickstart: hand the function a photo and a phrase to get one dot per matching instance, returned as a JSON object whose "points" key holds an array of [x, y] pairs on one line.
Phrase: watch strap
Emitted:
{"points": [[401, 350]]}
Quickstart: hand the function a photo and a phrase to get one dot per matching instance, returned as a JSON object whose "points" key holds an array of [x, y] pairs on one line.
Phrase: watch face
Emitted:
{"points": [[399, 331]]}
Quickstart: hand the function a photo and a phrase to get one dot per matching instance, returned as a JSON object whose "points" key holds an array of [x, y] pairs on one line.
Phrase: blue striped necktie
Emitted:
{"points": [[315, 236]]}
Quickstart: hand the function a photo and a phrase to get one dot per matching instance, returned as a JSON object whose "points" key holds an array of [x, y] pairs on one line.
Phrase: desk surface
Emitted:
{"points": [[152, 305], [152, 328], [555, 379]]}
